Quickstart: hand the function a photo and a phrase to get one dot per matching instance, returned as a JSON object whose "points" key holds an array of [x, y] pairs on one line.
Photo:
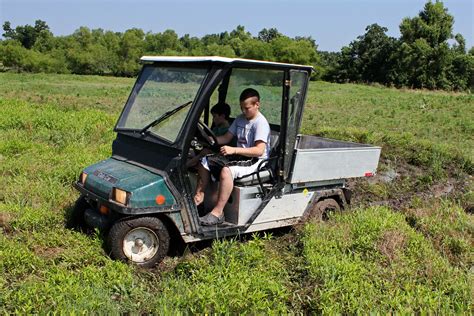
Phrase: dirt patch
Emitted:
{"points": [[398, 184], [391, 243], [48, 252], [5, 219], [442, 189], [469, 208]]}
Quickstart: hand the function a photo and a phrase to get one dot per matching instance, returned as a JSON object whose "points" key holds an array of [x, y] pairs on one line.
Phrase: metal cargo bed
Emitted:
{"points": [[319, 159]]}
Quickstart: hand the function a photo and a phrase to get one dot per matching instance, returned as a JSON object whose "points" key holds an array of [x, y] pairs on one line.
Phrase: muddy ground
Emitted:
{"points": [[399, 184]]}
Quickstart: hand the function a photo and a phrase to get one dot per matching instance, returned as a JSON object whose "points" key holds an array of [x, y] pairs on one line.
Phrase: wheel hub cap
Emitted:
{"points": [[140, 244]]}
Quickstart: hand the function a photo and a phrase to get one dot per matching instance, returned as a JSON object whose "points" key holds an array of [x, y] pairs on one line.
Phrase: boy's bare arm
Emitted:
{"points": [[225, 139], [255, 151]]}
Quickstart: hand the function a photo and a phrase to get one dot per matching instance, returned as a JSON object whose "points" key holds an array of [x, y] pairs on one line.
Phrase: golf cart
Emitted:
{"points": [[143, 195]]}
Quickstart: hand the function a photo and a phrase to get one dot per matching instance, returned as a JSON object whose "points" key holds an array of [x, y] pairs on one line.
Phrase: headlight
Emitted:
{"points": [[120, 196], [83, 178]]}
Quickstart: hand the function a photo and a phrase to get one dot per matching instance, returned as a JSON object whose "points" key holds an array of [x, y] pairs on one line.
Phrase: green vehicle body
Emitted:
{"points": [[143, 185]]}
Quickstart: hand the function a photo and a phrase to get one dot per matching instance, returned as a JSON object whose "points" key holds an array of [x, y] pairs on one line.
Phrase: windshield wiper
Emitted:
{"points": [[164, 117]]}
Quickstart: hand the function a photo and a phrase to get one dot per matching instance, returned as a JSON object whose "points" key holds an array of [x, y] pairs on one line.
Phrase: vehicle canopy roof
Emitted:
{"points": [[226, 60]]}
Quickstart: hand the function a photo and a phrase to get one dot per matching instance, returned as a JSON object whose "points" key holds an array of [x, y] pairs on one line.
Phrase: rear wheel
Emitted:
{"points": [[323, 208], [143, 241]]}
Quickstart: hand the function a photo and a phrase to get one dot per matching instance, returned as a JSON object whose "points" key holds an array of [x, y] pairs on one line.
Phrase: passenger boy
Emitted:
{"points": [[220, 125], [220, 118]]}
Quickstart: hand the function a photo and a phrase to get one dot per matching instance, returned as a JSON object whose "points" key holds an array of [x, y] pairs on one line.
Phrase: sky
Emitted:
{"points": [[331, 23]]}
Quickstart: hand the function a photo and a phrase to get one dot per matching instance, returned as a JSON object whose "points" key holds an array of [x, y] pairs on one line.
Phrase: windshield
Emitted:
{"points": [[161, 99]]}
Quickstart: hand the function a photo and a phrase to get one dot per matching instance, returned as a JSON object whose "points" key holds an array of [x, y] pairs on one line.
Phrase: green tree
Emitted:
{"points": [[288, 50], [191, 45], [255, 49], [267, 35], [240, 33], [83, 37], [13, 54], [210, 39], [328, 66], [433, 23], [237, 45], [369, 58], [309, 39], [132, 46], [421, 58], [460, 46], [220, 50], [157, 43], [25, 34], [45, 42], [92, 51], [460, 73], [425, 51], [169, 40], [16, 57], [471, 72], [9, 32]]}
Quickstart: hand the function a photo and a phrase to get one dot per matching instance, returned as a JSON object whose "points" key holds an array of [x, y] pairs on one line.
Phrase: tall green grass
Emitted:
{"points": [[372, 260], [68, 91], [231, 278], [417, 259]]}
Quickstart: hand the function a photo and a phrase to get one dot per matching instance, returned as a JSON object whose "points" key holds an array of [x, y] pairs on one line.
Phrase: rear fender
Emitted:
{"points": [[336, 194]]}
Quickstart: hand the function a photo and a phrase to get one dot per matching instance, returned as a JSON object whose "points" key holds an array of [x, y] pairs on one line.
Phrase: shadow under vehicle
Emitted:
{"points": [[142, 196]]}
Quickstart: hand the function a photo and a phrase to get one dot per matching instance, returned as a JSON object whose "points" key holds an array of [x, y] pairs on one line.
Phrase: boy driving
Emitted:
{"points": [[253, 138]]}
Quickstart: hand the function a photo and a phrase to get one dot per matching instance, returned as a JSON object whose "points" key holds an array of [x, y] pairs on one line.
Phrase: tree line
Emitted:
{"points": [[427, 54], [421, 58]]}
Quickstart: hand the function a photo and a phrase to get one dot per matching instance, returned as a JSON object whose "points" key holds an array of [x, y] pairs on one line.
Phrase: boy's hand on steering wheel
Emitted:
{"points": [[228, 150], [211, 140]]}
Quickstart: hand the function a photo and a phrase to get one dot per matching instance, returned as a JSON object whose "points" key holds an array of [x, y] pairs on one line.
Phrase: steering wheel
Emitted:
{"points": [[205, 133]]}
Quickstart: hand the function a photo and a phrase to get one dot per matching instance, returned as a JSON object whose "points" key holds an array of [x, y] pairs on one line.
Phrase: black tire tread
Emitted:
{"points": [[121, 228], [320, 209], [76, 219]]}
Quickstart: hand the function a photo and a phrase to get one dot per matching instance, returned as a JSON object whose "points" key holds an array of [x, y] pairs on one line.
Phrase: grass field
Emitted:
{"points": [[407, 244]]}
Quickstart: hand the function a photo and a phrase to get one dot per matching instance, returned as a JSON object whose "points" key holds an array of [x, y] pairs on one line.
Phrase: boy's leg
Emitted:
{"points": [[201, 186], [227, 176], [226, 185]]}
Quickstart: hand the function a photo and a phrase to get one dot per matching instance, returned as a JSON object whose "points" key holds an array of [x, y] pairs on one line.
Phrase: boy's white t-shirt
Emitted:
{"points": [[248, 132]]}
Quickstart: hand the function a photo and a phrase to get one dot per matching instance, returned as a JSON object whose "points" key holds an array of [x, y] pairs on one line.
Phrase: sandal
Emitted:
{"points": [[210, 219]]}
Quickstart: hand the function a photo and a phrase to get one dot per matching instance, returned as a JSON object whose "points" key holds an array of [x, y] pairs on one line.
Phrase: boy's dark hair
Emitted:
{"points": [[221, 108], [249, 93]]}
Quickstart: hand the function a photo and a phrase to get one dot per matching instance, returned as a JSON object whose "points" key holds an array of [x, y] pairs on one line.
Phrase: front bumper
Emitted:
{"points": [[100, 200], [122, 209]]}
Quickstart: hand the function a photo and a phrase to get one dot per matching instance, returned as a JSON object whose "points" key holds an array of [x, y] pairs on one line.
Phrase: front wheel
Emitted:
{"points": [[143, 241], [76, 215]]}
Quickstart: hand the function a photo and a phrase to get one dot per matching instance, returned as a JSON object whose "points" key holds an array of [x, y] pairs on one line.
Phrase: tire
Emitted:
{"points": [[76, 219], [322, 209], [143, 241]]}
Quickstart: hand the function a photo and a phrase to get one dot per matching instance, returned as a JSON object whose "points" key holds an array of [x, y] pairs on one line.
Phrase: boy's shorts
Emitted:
{"points": [[239, 166]]}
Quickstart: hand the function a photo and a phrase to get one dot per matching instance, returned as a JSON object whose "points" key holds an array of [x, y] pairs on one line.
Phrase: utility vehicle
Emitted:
{"points": [[142, 196]]}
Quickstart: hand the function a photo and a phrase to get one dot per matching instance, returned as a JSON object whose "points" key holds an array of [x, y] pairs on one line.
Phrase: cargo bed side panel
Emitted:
{"points": [[329, 162]]}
